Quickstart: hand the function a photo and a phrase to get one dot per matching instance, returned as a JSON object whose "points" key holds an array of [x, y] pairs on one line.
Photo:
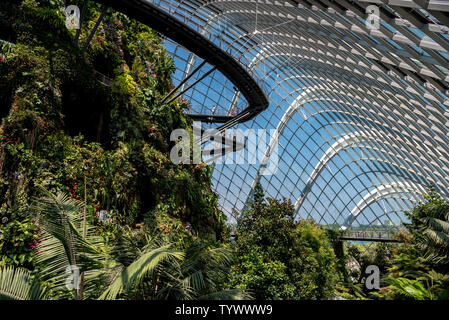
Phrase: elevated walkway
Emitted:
{"points": [[369, 235]]}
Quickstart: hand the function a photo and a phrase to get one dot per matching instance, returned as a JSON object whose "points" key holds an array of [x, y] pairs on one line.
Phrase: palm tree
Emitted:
{"points": [[160, 273], [156, 271], [413, 289], [420, 270], [144, 271], [68, 242], [197, 274], [436, 236], [429, 286]]}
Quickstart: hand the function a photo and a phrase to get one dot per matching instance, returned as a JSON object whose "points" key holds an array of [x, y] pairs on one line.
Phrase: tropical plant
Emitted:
{"points": [[410, 288], [17, 240], [69, 241], [18, 284], [420, 268], [107, 146], [146, 267], [157, 270], [430, 229]]}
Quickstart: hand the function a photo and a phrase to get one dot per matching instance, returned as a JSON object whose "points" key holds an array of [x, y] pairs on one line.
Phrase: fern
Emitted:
{"points": [[410, 288]]}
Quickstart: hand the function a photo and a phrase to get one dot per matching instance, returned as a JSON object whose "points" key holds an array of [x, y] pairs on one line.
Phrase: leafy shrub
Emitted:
{"points": [[280, 258]]}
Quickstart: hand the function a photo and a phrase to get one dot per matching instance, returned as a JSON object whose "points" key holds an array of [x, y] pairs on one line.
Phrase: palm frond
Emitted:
{"points": [[139, 270], [63, 244], [17, 284], [410, 288], [203, 264], [438, 238], [437, 224]]}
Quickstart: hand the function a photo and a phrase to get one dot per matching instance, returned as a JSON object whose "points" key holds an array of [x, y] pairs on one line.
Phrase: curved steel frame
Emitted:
{"points": [[376, 194]]}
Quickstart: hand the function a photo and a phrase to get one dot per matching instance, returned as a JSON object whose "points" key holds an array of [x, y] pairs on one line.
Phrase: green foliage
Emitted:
{"points": [[133, 265], [280, 258], [18, 284], [266, 279], [429, 227], [338, 246], [379, 254], [17, 240], [107, 145], [410, 288], [417, 268], [69, 240], [99, 147], [357, 258], [145, 266], [259, 196]]}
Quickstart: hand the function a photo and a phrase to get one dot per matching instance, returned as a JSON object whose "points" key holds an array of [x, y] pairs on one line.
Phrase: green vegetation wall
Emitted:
{"points": [[104, 142]]}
